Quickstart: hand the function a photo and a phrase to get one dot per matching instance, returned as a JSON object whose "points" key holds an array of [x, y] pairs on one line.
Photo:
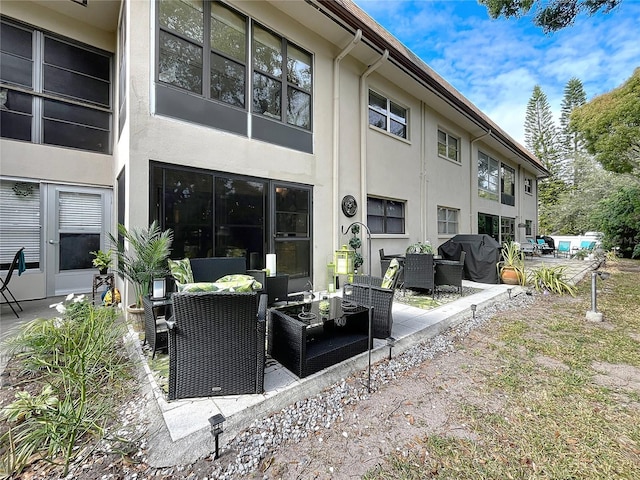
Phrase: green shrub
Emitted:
{"points": [[551, 279], [79, 362]]}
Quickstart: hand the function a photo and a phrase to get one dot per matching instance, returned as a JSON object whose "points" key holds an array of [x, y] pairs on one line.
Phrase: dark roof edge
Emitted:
{"points": [[375, 35]]}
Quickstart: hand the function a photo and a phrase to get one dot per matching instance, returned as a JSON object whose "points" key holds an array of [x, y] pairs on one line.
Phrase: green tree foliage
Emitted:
{"points": [[618, 216], [610, 125], [541, 137], [572, 141], [540, 132], [550, 15]]}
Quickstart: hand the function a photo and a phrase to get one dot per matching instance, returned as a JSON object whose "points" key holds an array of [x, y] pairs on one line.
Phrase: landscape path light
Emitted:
{"points": [[593, 314]]}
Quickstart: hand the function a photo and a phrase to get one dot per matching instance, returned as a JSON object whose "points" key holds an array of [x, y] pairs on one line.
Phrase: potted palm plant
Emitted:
{"points": [[511, 267], [141, 258]]}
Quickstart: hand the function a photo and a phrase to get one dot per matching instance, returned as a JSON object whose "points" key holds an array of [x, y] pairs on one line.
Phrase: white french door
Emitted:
{"points": [[77, 222]]}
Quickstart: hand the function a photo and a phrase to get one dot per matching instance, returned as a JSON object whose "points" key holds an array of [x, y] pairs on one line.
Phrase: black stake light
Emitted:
{"points": [[473, 310], [216, 429]]}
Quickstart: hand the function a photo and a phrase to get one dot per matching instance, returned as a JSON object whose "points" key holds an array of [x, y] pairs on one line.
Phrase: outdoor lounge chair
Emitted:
{"points": [[564, 248], [17, 262], [529, 247], [544, 247], [419, 272], [381, 300], [216, 344], [450, 272], [587, 245]]}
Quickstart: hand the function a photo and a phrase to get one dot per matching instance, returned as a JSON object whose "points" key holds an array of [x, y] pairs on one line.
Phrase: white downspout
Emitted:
{"points": [[471, 178], [336, 135], [364, 124], [424, 180]]}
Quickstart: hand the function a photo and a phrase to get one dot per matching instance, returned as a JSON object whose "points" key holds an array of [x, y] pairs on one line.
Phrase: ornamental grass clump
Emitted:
{"points": [[551, 279], [78, 361]]}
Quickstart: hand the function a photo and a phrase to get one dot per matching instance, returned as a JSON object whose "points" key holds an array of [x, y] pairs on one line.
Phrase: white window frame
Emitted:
{"points": [[448, 225], [528, 186], [389, 115], [447, 144]]}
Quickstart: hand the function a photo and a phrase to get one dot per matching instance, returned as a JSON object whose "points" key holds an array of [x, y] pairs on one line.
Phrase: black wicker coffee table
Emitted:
{"points": [[305, 339]]}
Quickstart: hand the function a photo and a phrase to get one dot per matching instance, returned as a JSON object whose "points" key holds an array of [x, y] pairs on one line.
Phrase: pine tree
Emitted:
{"points": [[540, 132], [541, 137], [572, 141]]}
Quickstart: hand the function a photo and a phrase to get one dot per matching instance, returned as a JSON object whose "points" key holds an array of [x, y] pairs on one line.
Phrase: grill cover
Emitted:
{"points": [[483, 253]]}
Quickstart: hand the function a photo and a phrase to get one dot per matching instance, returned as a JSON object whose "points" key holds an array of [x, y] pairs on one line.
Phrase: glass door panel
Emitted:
{"points": [[292, 233], [240, 220]]}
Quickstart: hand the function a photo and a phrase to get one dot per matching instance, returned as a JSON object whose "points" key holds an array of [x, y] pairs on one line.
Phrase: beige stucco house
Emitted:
{"points": [[242, 126]]}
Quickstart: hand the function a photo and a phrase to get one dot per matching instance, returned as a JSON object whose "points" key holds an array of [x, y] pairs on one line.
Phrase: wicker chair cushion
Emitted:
{"points": [[181, 270], [240, 283], [228, 283], [390, 274]]}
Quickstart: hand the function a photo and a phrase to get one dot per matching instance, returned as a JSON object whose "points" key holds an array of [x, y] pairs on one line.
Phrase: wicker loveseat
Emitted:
{"points": [[450, 272], [381, 300], [216, 344]]}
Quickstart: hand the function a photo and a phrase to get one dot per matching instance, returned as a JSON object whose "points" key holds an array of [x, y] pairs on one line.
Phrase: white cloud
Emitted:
{"points": [[496, 63]]}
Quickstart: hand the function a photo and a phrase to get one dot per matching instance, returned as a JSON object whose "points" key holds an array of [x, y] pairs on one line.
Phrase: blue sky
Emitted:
{"points": [[496, 63]]}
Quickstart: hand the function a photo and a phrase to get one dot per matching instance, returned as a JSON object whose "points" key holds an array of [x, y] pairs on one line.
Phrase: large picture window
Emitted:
{"points": [[232, 67], [218, 214], [385, 216], [488, 177], [67, 101], [387, 115]]}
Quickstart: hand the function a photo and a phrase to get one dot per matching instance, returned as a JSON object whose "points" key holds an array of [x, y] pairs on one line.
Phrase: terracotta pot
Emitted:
{"points": [[509, 276]]}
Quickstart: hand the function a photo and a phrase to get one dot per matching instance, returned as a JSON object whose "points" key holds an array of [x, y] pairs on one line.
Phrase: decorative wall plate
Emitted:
{"points": [[349, 205]]}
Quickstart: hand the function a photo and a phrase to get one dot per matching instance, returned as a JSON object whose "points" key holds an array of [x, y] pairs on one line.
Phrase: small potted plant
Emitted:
{"points": [[102, 261], [511, 267], [421, 247]]}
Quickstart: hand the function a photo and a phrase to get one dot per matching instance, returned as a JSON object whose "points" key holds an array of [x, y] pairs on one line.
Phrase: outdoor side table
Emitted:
{"points": [[156, 314], [307, 345], [100, 280]]}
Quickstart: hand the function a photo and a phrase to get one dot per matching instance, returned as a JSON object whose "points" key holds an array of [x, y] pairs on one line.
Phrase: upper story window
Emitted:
{"points": [[387, 115], [448, 220], [53, 90], [210, 58], [488, 177], [281, 79], [385, 216], [528, 186], [508, 185], [448, 146]]}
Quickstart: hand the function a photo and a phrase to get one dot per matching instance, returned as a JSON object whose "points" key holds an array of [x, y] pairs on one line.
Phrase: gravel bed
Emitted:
{"points": [[323, 410]]}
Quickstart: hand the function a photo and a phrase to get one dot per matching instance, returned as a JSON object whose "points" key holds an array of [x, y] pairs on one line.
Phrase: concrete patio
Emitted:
{"points": [[181, 428]]}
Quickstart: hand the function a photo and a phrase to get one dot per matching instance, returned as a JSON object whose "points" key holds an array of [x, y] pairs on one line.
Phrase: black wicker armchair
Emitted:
{"points": [[419, 272], [450, 272], [381, 299], [216, 344]]}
